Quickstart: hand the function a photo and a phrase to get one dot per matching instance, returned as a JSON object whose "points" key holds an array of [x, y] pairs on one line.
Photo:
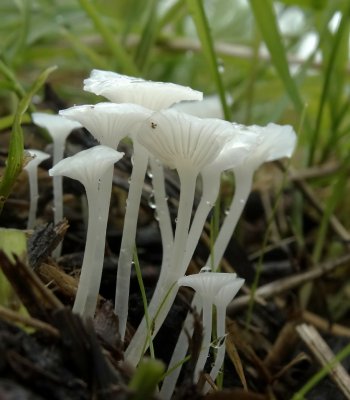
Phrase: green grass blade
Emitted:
{"points": [[327, 85], [121, 57], [10, 77], [144, 302], [15, 156], [315, 379], [146, 378], [94, 59], [147, 37], [266, 20], [200, 20]]}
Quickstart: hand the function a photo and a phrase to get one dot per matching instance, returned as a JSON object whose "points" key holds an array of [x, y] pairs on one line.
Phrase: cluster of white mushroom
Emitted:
{"points": [[162, 137]]}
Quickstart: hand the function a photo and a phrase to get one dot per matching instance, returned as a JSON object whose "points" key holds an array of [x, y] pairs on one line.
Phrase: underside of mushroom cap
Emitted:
{"points": [[108, 122], [87, 166], [55, 124], [184, 141]]}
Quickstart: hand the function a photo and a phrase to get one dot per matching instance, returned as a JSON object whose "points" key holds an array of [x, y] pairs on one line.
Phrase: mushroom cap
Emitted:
{"points": [[210, 285], [209, 107], [57, 126], [183, 141], [235, 151], [35, 158], [108, 122], [126, 89], [87, 166], [275, 141]]}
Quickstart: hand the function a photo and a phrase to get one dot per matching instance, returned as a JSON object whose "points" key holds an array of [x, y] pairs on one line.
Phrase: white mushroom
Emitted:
{"points": [[274, 142], [91, 167], [188, 144], [217, 289], [31, 167], [59, 128]]}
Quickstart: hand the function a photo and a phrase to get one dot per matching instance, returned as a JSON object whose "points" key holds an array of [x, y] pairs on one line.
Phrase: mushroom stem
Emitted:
{"points": [[162, 208], [166, 287], [129, 234], [220, 355], [244, 179], [180, 351], [58, 188], [34, 196], [98, 198], [207, 325], [211, 187]]}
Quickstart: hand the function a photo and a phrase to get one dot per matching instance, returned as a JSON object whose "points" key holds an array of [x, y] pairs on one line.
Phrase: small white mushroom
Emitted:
{"points": [[273, 142], [217, 289], [31, 167], [109, 123], [59, 128], [91, 167]]}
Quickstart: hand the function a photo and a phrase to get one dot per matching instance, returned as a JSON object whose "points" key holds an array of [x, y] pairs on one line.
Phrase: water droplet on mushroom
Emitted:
{"points": [[149, 173], [151, 201], [156, 216], [206, 268]]}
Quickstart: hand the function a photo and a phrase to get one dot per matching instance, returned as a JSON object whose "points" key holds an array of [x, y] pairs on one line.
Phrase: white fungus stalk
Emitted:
{"points": [[129, 234], [187, 144], [32, 169], [59, 129], [92, 167]]}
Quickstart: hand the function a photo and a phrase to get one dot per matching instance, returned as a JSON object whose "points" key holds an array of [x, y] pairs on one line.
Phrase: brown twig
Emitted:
{"points": [[284, 284], [308, 193], [324, 355], [14, 316]]}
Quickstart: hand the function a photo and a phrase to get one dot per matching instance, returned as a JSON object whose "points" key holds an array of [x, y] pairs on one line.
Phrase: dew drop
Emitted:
{"points": [[175, 220], [206, 268], [227, 211], [221, 66], [151, 201], [156, 216], [132, 160], [242, 201], [149, 173]]}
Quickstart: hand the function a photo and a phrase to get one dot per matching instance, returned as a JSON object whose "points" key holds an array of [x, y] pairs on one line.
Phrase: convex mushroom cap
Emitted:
{"points": [[127, 89], [108, 122]]}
